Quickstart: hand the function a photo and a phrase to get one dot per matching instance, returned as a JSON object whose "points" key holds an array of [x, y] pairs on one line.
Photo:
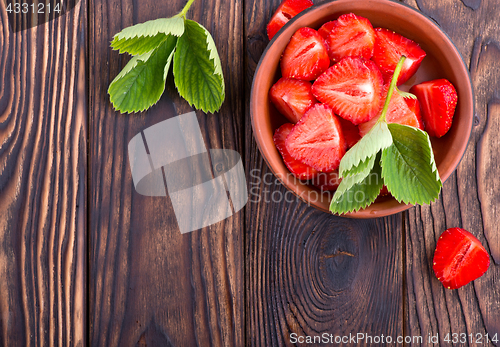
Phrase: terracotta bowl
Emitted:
{"points": [[443, 60]]}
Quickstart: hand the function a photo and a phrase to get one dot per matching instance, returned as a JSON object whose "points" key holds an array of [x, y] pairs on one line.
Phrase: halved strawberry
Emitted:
{"points": [[305, 57], [351, 35], [327, 180], [401, 110], [414, 106], [285, 11], [292, 97], [317, 139], [352, 87], [351, 133], [438, 99], [459, 258], [324, 31], [297, 168], [384, 191], [389, 47]]}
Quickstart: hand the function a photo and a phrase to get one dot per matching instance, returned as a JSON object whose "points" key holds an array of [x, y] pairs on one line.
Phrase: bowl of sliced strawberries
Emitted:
{"points": [[360, 108]]}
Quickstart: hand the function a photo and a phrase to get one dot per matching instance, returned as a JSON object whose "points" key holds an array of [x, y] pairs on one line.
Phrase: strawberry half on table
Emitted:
{"points": [[350, 35], [405, 111], [389, 47], [292, 98], [438, 99], [317, 139], [459, 258], [305, 57], [298, 169], [352, 88], [285, 11]]}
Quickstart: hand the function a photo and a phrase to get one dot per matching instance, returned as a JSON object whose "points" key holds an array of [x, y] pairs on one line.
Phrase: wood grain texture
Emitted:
{"points": [[42, 182], [151, 285], [311, 274], [308, 272], [470, 196]]}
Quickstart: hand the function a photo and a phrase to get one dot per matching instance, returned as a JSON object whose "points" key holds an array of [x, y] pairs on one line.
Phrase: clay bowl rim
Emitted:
{"points": [[386, 206]]}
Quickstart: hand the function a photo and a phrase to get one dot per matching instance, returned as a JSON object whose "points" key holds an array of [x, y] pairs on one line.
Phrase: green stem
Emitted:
{"points": [[391, 88], [185, 9]]}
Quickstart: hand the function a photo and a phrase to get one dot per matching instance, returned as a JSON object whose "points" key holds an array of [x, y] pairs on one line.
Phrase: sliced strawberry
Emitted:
{"points": [[414, 106], [317, 139], [438, 99], [384, 191], [305, 57], [459, 258], [327, 180], [352, 87], [401, 110], [324, 31], [286, 11], [389, 47], [351, 133], [300, 170], [292, 98], [351, 35]]}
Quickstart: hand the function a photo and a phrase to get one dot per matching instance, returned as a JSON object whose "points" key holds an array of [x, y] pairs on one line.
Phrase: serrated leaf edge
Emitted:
{"points": [[432, 163], [134, 61], [354, 169], [166, 33], [365, 203], [362, 156], [215, 59]]}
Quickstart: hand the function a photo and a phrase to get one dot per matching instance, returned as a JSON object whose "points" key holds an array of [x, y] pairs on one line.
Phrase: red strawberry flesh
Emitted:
{"points": [[459, 258], [351, 35], [297, 168], [305, 57], [438, 99], [405, 111], [353, 89], [327, 181], [292, 98], [384, 191], [317, 139], [389, 47], [351, 133], [285, 11], [325, 31]]}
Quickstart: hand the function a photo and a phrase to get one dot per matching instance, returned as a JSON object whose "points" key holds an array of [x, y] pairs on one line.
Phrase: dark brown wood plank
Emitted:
{"points": [[151, 285], [42, 182], [470, 196], [308, 272]]}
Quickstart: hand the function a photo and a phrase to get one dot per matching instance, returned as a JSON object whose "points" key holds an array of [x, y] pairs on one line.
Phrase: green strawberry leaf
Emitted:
{"points": [[138, 86], [358, 191], [349, 181], [144, 37], [132, 63], [379, 137], [364, 165], [408, 166], [197, 68]]}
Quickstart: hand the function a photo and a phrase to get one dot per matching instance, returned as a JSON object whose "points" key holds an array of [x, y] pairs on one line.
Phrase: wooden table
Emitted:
{"points": [[86, 260]]}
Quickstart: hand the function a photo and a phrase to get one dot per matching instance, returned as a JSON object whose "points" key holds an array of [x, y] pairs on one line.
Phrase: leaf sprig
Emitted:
{"points": [[396, 155], [154, 45]]}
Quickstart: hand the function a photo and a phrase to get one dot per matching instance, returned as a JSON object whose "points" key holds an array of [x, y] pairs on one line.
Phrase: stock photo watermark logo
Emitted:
{"points": [[263, 188], [205, 186], [26, 14]]}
